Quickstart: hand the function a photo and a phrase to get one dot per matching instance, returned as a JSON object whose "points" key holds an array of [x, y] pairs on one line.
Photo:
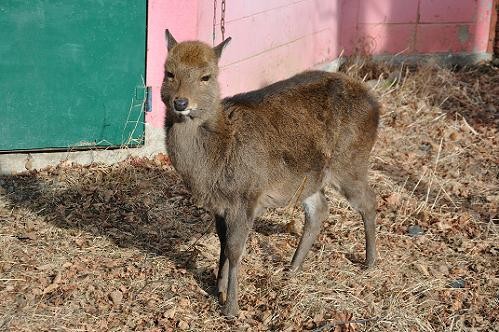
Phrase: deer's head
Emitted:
{"points": [[190, 85]]}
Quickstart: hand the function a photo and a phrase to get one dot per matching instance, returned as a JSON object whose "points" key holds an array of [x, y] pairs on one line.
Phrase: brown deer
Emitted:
{"points": [[262, 149]]}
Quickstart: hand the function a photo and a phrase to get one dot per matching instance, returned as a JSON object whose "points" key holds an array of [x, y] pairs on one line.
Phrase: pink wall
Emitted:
{"points": [[177, 16], [273, 39], [420, 26]]}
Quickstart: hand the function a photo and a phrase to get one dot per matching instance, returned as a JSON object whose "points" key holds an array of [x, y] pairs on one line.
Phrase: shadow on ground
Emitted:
{"points": [[133, 205]]}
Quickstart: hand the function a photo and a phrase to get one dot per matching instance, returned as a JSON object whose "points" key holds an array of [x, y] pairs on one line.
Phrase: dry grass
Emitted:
{"points": [[122, 248]]}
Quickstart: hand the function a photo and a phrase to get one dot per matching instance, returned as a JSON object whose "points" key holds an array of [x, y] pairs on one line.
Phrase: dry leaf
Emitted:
{"points": [[293, 228], [183, 325], [393, 199], [162, 160], [170, 313], [423, 269], [183, 302], [116, 296]]}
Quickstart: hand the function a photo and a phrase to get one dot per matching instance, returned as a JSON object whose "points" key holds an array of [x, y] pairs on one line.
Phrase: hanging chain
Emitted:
{"points": [[222, 21], [214, 20]]}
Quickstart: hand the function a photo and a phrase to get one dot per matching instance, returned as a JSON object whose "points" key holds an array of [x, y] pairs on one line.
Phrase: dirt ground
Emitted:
{"points": [[121, 247]]}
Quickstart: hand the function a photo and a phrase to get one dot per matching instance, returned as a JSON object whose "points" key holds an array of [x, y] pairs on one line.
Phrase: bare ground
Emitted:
{"points": [[122, 248]]}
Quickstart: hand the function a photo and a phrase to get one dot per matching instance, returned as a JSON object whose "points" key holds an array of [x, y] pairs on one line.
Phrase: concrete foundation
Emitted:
{"points": [[12, 163], [460, 59]]}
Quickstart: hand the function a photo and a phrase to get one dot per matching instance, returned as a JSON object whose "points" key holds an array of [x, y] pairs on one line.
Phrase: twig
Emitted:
{"points": [[436, 198], [446, 194], [434, 171], [12, 279], [197, 240], [429, 189], [377, 81], [401, 52], [438, 154], [419, 181], [469, 126], [297, 194], [412, 194]]}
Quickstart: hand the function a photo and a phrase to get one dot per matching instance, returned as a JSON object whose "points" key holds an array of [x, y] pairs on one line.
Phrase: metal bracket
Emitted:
{"points": [[149, 100]]}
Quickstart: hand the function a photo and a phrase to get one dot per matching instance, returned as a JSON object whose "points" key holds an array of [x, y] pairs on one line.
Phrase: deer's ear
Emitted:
{"points": [[170, 41], [219, 48]]}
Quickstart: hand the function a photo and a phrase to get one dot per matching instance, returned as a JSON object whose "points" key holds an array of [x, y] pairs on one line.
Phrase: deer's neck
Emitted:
{"points": [[198, 149]]}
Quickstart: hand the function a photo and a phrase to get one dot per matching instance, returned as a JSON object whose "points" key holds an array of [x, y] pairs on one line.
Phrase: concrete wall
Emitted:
{"points": [[273, 39]]}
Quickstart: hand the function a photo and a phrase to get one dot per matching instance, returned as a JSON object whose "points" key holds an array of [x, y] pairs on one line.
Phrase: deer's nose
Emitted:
{"points": [[180, 104]]}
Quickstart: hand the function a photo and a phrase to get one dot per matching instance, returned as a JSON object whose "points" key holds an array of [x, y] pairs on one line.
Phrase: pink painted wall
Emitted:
{"points": [[177, 16], [419, 26], [273, 39]]}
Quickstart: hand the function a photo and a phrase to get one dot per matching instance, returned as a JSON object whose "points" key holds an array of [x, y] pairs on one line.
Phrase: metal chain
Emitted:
{"points": [[222, 21], [214, 20]]}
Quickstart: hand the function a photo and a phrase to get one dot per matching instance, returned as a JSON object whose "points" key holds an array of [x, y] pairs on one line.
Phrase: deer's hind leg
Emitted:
{"points": [[316, 210], [356, 190]]}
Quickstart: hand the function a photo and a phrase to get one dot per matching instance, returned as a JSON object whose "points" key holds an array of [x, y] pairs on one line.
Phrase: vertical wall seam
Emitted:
{"points": [[416, 27]]}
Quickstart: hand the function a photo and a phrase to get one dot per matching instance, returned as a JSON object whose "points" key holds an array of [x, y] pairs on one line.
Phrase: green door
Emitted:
{"points": [[71, 73]]}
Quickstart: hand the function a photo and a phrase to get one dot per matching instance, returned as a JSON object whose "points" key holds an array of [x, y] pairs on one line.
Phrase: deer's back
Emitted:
{"points": [[300, 126], [309, 96], [309, 111]]}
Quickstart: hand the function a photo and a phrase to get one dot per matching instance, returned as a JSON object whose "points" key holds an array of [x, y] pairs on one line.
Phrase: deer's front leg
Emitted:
{"points": [[223, 264], [238, 226]]}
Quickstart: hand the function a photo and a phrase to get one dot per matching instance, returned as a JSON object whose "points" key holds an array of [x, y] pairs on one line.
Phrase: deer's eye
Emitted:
{"points": [[170, 75], [205, 78]]}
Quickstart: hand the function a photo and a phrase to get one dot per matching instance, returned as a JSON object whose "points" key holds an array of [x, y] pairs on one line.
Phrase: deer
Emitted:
{"points": [[244, 154]]}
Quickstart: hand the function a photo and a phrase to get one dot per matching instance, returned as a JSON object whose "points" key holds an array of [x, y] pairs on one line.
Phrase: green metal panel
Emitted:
{"points": [[71, 73]]}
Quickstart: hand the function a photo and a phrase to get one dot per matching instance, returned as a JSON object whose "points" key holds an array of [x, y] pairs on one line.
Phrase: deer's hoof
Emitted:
{"points": [[230, 310], [291, 270], [370, 262]]}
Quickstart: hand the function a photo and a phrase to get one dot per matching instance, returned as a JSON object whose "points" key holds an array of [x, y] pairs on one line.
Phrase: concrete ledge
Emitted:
{"points": [[12, 163], [444, 59]]}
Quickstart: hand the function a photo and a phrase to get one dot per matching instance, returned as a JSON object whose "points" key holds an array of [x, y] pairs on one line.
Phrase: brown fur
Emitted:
{"points": [[256, 150]]}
